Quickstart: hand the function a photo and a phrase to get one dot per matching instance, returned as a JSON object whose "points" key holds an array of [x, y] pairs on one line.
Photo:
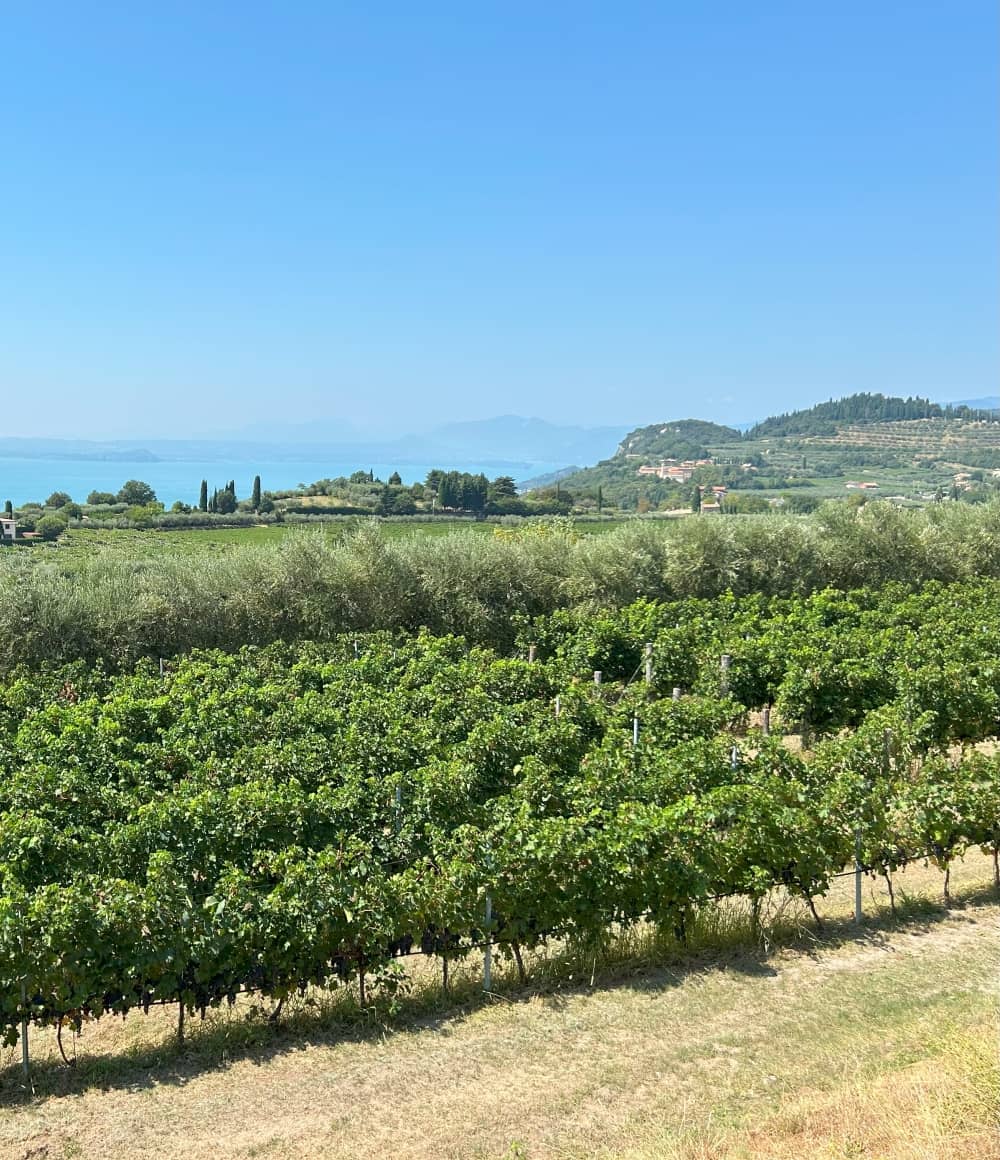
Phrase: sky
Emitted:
{"points": [[218, 216]]}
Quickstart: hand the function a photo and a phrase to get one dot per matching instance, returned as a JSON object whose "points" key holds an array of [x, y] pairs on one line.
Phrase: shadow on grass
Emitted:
{"points": [[642, 958]]}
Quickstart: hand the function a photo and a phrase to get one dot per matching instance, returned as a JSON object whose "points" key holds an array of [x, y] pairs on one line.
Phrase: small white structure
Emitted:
{"points": [[8, 529]]}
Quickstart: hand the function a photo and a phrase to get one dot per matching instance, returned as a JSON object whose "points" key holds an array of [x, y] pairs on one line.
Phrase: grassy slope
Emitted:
{"points": [[874, 1046]]}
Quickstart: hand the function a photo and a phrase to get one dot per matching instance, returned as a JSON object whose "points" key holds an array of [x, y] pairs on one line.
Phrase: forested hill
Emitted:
{"points": [[825, 418], [682, 439]]}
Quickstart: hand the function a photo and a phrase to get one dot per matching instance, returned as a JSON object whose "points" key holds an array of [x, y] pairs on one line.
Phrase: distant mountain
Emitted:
{"points": [[507, 441], [84, 449], [512, 436], [987, 403]]}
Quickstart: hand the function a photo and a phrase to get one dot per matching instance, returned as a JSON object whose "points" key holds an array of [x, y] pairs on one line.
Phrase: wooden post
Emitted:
{"points": [[25, 1059], [597, 676], [488, 950], [532, 653], [765, 721], [676, 695], [558, 704]]}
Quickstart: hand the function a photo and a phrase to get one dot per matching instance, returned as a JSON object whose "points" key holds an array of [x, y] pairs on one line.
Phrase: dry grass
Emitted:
{"points": [[879, 1043]]}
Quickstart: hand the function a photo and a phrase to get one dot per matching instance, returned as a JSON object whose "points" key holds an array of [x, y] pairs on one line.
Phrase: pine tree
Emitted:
{"points": [[203, 496], [255, 494]]}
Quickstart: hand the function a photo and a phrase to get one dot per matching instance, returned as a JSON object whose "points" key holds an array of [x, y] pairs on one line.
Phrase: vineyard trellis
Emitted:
{"points": [[309, 814]]}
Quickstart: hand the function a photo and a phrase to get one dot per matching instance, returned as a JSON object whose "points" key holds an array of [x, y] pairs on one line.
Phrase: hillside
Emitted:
{"points": [[683, 439], [860, 409], [910, 448]]}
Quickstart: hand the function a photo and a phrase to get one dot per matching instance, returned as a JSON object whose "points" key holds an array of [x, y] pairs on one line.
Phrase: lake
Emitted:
{"points": [[25, 480]]}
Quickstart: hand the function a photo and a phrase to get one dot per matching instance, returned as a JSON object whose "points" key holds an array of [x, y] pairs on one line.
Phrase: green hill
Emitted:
{"points": [[827, 418], [683, 439], [908, 447]]}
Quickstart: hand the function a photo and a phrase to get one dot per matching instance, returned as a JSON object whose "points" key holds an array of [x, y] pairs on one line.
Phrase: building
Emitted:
{"points": [[672, 470], [8, 530]]}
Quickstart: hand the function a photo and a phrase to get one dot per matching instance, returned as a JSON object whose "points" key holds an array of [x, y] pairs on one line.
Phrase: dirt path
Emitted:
{"points": [[641, 1068]]}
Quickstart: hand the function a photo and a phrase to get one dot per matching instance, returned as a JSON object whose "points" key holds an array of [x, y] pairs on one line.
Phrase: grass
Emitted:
{"points": [[878, 1042]]}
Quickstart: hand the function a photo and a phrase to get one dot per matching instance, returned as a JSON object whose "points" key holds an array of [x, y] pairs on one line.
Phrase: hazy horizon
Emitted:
{"points": [[225, 218]]}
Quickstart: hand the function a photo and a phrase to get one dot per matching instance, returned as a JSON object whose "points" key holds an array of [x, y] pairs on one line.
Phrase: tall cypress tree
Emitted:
{"points": [[255, 494], [203, 496]]}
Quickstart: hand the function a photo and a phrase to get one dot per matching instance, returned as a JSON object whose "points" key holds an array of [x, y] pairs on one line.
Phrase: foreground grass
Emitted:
{"points": [[872, 1043]]}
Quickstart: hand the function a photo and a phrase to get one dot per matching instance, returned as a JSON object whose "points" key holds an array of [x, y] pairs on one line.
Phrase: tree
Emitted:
{"points": [[8, 509], [72, 511], [51, 527], [600, 499], [101, 497], [503, 487], [395, 480], [225, 501], [136, 493], [58, 499], [255, 494], [696, 498], [203, 496]]}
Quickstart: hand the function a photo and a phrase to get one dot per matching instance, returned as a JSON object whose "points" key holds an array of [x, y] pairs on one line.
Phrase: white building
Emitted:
{"points": [[8, 529]]}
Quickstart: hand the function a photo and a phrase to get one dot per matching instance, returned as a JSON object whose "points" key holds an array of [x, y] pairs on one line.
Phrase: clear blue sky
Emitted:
{"points": [[394, 214]]}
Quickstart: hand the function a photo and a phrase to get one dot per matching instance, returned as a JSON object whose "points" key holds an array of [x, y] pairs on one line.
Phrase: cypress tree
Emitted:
{"points": [[696, 499], [255, 494], [8, 509], [203, 496], [600, 499], [213, 505]]}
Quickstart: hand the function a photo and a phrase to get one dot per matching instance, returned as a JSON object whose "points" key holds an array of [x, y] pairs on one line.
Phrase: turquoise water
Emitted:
{"points": [[24, 480]]}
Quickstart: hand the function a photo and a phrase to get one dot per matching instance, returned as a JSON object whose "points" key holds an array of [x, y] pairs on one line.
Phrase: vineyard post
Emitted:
{"points": [[635, 731], [25, 1060], [532, 653], [765, 721], [488, 949], [558, 705], [724, 662], [161, 666], [597, 676], [648, 675], [676, 694]]}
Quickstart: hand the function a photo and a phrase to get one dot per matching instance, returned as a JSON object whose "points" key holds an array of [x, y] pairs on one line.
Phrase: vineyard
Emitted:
{"points": [[310, 814]]}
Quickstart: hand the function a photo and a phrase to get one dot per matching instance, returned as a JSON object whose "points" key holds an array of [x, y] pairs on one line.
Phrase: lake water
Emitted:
{"points": [[24, 480]]}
